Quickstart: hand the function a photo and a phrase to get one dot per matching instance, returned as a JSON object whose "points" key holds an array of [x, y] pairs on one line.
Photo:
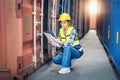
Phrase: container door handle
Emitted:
{"points": [[117, 37]]}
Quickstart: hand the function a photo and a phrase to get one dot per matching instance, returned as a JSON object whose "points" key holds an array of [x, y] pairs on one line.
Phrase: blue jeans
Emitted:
{"points": [[64, 59]]}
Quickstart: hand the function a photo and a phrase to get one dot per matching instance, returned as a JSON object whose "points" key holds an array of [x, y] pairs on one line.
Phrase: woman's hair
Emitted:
{"points": [[69, 22]]}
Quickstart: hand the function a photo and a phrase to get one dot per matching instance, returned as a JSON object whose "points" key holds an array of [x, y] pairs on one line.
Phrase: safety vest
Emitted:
{"points": [[66, 37]]}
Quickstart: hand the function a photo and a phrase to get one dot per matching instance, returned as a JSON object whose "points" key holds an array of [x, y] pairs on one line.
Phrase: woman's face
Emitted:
{"points": [[64, 24]]}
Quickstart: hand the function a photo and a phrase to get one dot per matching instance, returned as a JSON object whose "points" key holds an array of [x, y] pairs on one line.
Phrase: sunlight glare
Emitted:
{"points": [[93, 7]]}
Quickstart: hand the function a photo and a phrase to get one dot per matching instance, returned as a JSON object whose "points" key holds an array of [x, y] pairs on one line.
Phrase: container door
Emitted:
{"points": [[25, 61], [115, 34], [27, 33]]}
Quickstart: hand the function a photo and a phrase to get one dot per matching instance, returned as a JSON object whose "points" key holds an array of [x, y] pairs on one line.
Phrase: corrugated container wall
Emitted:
{"points": [[12, 35], [115, 33], [86, 18], [17, 24], [4, 72], [17, 49], [100, 21], [80, 16], [107, 23]]}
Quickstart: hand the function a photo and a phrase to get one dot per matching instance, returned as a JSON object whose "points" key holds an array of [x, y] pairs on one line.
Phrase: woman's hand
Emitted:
{"points": [[58, 41], [49, 41]]}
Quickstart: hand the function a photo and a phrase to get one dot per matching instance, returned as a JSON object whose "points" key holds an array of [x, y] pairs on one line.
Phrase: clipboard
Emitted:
{"points": [[50, 36]]}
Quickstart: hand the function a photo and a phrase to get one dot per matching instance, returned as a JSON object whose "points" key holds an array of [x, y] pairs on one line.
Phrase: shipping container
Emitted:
{"points": [[86, 18], [114, 33], [4, 71], [80, 17], [81, 12], [109, 33], [17, 38], [100, 20]]}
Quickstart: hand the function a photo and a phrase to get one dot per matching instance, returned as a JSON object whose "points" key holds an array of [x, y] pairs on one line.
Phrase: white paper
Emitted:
{"points": [[51, 38]]}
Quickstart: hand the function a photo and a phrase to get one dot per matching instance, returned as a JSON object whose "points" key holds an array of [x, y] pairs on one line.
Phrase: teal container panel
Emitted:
{"points": [[115, 33]]}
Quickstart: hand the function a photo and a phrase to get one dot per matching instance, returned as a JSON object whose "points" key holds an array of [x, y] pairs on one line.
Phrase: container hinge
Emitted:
{"points": [[20, 66]]}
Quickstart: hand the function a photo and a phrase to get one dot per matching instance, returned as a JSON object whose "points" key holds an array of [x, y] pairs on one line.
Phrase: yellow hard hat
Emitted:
{"points": [[64, 16]]}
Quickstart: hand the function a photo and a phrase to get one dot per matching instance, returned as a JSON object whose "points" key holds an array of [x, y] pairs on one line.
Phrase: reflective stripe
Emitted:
{"points": [[75, 44], [80, 49]]}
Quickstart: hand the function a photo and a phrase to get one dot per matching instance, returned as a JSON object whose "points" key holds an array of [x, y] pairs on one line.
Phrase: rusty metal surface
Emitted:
{"points": [[2, 37], [4, 75]]}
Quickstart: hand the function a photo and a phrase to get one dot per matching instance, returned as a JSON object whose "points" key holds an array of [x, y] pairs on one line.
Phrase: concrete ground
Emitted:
{"points": [[93, 65]]}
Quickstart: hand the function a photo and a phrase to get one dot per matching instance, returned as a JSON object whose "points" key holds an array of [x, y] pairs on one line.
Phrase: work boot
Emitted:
{"points": [[64, 71]]}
